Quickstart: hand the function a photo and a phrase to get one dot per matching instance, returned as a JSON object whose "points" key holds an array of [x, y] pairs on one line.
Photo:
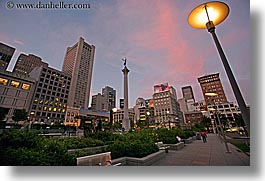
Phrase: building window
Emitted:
{"points": [[25, 86], [14, 84], [3, 81]]}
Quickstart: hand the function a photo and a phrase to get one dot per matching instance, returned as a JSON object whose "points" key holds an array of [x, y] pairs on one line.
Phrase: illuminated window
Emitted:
{"points": [[59, 110], [25, 86], [3, 81], [14, 84], [63, 111], [32, 113], [50, 108], [36, 101], [46, 102], [54, 109], [45, 108]]}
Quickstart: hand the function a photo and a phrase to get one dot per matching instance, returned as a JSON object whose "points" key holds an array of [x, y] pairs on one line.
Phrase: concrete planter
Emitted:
{"points": [[145, 161], [177, 146], [93, 150]]}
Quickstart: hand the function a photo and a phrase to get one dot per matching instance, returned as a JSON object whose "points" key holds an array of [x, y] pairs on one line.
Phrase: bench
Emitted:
{"points": [[161, 146], [164, 148]]}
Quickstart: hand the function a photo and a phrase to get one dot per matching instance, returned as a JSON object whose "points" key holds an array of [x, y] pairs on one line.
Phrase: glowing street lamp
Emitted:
{"points": [[112, 111], [208, 15], [148, 115]]}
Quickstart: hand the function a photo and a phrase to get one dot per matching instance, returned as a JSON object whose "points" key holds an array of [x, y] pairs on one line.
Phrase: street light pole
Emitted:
{"points": [[237, 92], [169, 126], [148, 114], [201, 17], [223, 134]]}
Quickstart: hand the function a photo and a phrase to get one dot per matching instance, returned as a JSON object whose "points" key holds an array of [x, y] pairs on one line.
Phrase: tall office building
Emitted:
{"points": [[187, 93], [6, 53], [212, 84], [78, 63], [110, 97], [26, 63]]}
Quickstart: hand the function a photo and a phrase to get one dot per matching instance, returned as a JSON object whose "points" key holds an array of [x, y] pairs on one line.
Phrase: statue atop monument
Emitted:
{"points": [[124, 59]]}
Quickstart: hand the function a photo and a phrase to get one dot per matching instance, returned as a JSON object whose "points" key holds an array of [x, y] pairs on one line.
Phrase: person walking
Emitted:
{"points": [[204, 136]]}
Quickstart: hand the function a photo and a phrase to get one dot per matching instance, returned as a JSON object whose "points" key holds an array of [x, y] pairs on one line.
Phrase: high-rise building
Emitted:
{"points": [[166, 108], [110, 97], [212, 84], [187, 92], [78, 63], [6, 53], [49, 101], [26, 63]]}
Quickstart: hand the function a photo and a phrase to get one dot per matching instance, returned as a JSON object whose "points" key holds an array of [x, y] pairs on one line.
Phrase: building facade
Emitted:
{"points": [[98, 103], [26, 63], [193, 117], [166, 108], [118, 116], [78, 63], [187, 93], [50, 97], [16, 92], [6, 53], [110, 97], [226, 111], [212, 84]]}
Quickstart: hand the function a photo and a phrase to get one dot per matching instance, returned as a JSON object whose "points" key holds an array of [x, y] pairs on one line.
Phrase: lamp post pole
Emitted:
{"points": [[148, 115], [223, 134], [237, 92], [221, 11]]}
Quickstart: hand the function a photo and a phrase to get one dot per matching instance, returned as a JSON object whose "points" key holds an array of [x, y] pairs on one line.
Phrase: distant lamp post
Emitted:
{"points": [[208, 15], [148, 115], [219, 122], [111, 115], [169, 126]]}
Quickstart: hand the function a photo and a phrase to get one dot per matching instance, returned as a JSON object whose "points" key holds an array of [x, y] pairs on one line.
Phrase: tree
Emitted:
{"points": [[206, 122], [20, 115], [3, 112], [239, 120]]}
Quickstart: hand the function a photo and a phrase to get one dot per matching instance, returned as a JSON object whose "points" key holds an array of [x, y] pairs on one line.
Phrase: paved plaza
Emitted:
{"points": [[212, 153]]}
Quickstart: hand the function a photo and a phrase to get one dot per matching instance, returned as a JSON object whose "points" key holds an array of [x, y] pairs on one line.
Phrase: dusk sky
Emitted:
{"points": [[154, 35]]}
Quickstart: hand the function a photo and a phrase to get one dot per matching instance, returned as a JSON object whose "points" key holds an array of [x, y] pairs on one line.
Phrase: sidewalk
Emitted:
{"points": [[212, 153]]}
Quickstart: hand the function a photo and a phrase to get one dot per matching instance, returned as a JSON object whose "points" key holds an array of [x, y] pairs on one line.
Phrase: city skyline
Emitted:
{"points": [[153, 35]]}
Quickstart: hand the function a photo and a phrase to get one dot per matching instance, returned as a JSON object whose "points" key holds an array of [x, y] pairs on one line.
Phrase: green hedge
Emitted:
{"points": [[20, 148]]}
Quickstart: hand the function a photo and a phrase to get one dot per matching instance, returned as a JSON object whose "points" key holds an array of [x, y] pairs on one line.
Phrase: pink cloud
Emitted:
{"points": [[177, 54]]}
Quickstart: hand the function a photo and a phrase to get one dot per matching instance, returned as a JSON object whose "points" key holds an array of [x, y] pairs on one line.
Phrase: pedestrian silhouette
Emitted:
{"points": [[204, 136]]}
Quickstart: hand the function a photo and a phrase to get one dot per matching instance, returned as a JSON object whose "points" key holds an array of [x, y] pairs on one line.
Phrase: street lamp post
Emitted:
{"points": [[218, 118], [208, 15], [169, 126], [148, 114], [111, 115]]}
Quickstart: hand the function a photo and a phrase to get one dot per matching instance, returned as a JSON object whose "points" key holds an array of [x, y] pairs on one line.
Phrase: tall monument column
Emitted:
{"points": [[126, 121]]}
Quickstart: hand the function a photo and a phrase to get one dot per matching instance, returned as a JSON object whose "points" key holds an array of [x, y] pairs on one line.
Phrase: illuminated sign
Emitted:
{"points": [[161, 87]]}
